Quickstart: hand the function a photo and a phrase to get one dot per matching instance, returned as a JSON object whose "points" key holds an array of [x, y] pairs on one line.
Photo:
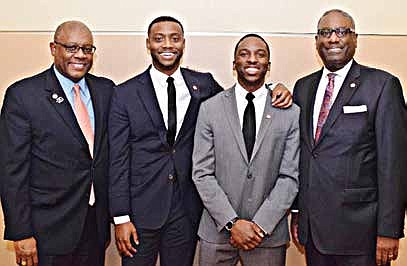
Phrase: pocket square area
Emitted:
{"points": [[354, 109]]}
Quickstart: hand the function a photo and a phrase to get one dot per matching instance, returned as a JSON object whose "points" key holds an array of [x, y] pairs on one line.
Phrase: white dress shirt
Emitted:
{"points": [[183, 98], [339, 79], [259, 102]]}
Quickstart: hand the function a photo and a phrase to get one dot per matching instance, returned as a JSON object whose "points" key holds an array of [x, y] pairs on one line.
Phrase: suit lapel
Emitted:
{"points": [[264, 125], [232, 116], [98, 110], [309, 110], [150, 102], [349, 86], [60, 103], [193, 107]]}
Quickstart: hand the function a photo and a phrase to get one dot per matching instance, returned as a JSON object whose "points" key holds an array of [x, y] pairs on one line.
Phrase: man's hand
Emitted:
{"points": [[387, 249], [244, 236], [123, 233], [281, 97], [26, 252], [294, 232]]}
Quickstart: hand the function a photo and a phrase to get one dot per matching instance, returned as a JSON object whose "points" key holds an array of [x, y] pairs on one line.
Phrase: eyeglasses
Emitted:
{"points": [[73, 49], [340, 32]]}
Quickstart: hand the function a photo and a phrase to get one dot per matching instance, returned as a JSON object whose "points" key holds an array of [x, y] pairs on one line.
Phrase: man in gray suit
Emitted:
{"points": [[245, 166]]}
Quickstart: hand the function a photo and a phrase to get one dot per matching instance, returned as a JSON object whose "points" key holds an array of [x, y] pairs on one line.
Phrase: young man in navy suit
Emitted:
{"points": [[53, 157], [153, 200]]}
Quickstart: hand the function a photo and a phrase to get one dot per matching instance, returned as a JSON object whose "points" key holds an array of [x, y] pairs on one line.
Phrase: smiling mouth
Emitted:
{"points": [[167, 55], [251, 70], [78, 66], [335, 50]]}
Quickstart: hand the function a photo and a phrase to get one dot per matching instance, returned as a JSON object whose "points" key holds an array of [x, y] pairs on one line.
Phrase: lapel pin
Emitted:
{"points": [[54, 96], [268, 116], [59, 99], [194, 87], [352, 85]]}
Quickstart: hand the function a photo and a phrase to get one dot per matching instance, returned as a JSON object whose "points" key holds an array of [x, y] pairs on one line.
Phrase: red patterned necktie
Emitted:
{"points": [[323, 113], [82, 116]]}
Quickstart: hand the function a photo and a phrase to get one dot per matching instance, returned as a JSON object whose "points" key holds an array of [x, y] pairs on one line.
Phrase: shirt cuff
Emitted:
{"points": [[121, 219]]}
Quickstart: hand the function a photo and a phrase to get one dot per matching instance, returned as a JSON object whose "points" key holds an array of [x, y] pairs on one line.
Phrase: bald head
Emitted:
{"points": [[73, 49], [68, 27]]}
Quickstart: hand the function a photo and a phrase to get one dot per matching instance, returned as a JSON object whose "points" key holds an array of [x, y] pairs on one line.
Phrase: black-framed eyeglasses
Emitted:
{"points": [[340, 32], [73, 49]]}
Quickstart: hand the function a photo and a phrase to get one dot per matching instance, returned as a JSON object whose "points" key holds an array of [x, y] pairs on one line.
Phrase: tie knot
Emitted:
{"points": [[170, 80], [249, 97], [76, 88], [331, 76]]}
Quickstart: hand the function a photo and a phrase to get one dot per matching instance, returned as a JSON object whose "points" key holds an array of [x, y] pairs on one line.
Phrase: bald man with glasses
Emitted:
{"points": [[53, 158]]}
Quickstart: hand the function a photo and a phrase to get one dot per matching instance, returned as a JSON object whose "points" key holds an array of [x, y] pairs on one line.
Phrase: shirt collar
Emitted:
{"points": [[161, 78], [341, 72], [241, 92], [67, 84]]}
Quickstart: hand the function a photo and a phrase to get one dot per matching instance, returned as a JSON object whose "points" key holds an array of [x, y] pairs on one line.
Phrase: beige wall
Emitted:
{"points": [[213, 28]]}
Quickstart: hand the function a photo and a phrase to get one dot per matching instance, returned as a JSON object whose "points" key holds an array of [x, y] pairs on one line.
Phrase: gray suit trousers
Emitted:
{"points": [[225, 255]]}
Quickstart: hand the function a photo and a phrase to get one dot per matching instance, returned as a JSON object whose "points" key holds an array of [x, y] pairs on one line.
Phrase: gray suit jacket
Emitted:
{"points": [[261, 190]]}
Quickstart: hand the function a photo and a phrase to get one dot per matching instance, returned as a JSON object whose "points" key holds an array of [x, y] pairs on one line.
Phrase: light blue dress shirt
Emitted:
{"points": [[67, 86]]}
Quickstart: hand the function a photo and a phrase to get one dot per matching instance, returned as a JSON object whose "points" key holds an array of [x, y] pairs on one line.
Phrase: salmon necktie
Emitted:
{"points": [[82, 116], [326, 105]]}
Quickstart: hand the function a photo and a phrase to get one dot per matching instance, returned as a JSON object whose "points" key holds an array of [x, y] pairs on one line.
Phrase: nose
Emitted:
{"points": [[167, 42], [80, 53], [334, 37], [252, 58]]}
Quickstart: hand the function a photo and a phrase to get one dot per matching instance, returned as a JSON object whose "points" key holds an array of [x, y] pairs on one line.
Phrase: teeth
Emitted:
{"points": [[335, 49], [78, 65], [167, 54], [252, 70]]}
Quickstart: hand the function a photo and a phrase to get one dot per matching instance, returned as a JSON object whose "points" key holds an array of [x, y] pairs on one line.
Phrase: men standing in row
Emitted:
{"points": [[245, 166], [154, 202], [54, 157], [352, 147]]}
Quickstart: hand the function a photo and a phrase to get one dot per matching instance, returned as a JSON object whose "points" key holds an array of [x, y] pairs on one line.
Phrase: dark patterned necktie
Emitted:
{"points": [[325, 107]]}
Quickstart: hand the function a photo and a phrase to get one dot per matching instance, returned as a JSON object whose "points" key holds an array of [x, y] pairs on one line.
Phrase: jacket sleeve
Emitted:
{"points": [[15, 143]]}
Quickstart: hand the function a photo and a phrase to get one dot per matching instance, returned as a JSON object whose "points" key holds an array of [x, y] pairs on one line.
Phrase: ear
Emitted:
{"points": [[147, 44], [268, 66], [356, 40], [234, 66], [52, 48]]}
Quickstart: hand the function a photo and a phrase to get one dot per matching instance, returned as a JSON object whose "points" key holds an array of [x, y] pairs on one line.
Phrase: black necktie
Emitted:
{"points": [[172, 112], [249, 125]]}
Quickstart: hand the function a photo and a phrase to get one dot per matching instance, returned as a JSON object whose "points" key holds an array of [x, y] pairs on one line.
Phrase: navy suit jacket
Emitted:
{"points": [[350, 189], [46, 167], [143, 167]]}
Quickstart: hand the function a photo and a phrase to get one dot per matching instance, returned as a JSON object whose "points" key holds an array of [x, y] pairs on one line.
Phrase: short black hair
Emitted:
{"points": [[248, 36], [164, 19]]}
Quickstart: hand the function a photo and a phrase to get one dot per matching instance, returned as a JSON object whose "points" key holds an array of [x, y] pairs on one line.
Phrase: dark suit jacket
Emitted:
{"points": [[349, 180], [46, 167], [142, 164]]}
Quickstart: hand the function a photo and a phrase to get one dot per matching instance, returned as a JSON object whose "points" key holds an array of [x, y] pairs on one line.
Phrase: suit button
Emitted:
{"points": [[315, 155], [173, 151], [249, 176], [171, 177]]}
